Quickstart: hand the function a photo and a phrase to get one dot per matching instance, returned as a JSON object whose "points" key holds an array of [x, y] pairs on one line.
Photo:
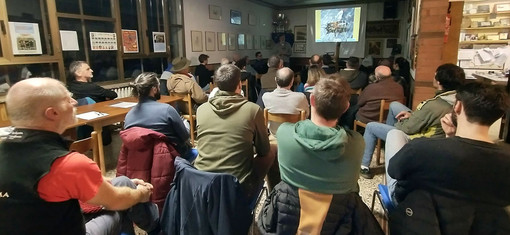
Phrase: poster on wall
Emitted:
{"points": [[159, 41], [101, 41], [130, 41], [25, 38], [69, 40]]}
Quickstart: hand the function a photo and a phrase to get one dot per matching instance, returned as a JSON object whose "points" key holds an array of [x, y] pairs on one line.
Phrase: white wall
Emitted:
{"points": [[196, 18], [369, 12]]}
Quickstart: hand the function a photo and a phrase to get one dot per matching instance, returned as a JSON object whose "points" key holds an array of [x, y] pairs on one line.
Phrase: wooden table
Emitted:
{"points": [[114, 115]]}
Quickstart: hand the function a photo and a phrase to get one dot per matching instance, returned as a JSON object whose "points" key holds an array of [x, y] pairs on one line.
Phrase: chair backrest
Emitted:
{"points": [[383, 110], [87, 144], [284, 117], [245, 84]]}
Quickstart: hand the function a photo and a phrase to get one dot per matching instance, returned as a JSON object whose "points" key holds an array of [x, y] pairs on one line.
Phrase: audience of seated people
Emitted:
{"points": [[454, 185], [384, 88], [422, 167], [318, 159], [424, 122], [357, 79], [43, 184], [229, 127]]}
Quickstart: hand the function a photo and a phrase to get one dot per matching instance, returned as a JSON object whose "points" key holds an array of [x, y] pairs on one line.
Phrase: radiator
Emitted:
{"points": [[123, 91]]}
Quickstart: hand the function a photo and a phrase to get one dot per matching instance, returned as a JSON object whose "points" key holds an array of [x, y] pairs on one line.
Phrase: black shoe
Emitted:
{"points": [[365, 173]]}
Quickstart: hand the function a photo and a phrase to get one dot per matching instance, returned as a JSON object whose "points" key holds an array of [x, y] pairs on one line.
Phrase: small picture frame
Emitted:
{"points": [[249, 42], [214, 12], [300, 47], [241, 44], [256, 42], [262, 42], [235, 17], [222, 41], [252, 20], [196, 41], [375, 47], [210, 41], [232, 42], [300, 33]]}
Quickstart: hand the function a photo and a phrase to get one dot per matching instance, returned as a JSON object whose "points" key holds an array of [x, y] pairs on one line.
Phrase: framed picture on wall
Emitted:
{"points": [[252, 20], [300, 47], [222, 41], [196, 41], [256, 42], [300, 33], [262, 42], [214, 12], [375, 47], [241, 41], [232, 41], [249, 42], [210, 41], [383, 29], [235, 17]]}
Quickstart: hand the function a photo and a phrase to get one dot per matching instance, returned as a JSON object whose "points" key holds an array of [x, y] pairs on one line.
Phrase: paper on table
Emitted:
{"points": [[485, 55], [124, 104], [91, 115], [466, 54]]}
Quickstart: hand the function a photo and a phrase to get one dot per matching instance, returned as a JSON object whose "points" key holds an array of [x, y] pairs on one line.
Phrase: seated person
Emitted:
{"points": [[182, 82], [259, 65], [229, 130], [203, 72], [81, 84], [424, 122], [318, 159], [357, 79], [267, 80], [385, 88], [159, 117], [284, 100], [44, 182], [465, 173], [245, 75]]}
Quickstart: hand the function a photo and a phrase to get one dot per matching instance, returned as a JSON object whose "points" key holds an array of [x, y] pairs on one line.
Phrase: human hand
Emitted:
{"points": [[403, 115], [447, 124], [145, 192]]}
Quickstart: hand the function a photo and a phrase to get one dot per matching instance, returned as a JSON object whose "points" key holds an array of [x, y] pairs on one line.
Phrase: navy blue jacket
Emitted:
{"points": [[204, 203]]}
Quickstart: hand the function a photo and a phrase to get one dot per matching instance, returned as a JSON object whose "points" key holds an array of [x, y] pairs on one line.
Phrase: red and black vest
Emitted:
{"points": [[25, 157]]}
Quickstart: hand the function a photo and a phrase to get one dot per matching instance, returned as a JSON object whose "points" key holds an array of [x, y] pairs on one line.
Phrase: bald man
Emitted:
{"points": [[384, 88], [283, 99], [42, 184], [314, 60]]}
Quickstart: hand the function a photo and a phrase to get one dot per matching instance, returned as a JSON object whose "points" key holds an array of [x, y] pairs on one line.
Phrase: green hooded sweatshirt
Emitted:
{"points": [[318, 158], [228, 128]]}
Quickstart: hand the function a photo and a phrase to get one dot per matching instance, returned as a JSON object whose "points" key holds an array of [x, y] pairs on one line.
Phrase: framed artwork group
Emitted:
{"points": [[222, 41]]}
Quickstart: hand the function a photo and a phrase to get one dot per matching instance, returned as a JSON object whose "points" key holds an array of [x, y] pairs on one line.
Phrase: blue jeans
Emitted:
{"points": [[395, 140], [373, 131], [395, 108], [144, 215]]}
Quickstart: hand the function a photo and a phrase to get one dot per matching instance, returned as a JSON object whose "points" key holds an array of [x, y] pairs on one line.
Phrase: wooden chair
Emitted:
{"points": [[90, 144], [281, 117], [383, 112], [245, 84], [191, 117]]}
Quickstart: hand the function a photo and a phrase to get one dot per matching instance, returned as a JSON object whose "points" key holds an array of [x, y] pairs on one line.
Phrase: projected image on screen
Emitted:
{"points": [[337, 25]]}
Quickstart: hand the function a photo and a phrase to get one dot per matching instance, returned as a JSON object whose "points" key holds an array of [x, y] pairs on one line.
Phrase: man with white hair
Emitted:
{"points": [[42, 183]]}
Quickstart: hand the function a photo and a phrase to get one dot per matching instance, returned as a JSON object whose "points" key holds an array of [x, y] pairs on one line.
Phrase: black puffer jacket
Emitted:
{"points": [[347, 214], [422, 212]]}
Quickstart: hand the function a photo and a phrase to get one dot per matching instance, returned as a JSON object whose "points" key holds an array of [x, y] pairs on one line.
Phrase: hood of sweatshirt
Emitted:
{"points": [[225, 103], [319, 138]]}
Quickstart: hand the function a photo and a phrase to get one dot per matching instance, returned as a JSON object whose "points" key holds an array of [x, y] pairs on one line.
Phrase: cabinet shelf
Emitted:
{"points": [[483, 28], [504, 41], [487, 14]]}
